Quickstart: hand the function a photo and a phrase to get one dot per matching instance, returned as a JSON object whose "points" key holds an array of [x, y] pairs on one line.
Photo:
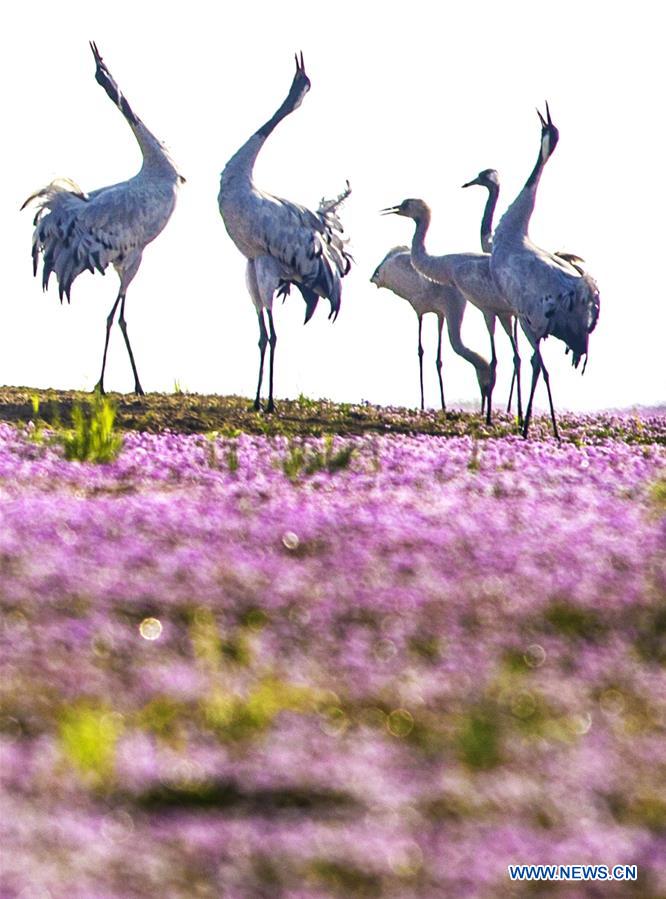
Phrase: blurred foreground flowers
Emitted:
{"points": [[378, 666]]}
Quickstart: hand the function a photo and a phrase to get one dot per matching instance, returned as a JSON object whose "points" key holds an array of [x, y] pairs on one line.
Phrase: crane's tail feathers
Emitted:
{"points": [[327, 207], [310, 297], [311, 300], [573, 259], [50, 193], [283, 289], [333, 231], [328, 258], [575, 316], [66, 242]]}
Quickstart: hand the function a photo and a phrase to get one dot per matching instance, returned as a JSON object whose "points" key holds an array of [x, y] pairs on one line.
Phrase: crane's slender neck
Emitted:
{"points": [[286, 107], [436, 268], [156, 160], [420, 256], [516, 220], [487, 220], [240, 167]]}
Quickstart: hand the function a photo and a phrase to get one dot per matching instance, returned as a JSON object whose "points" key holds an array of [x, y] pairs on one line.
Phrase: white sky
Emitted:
{"points": [[407, 100]]}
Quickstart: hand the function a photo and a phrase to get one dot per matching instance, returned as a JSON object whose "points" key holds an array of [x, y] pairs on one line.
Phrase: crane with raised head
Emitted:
{"points": [[551, 295], [284, 243], [489, 179], [77, 231]]}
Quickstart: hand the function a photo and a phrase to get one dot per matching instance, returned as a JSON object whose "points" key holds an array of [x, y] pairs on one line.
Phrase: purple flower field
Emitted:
{"points": [[378, 666]]}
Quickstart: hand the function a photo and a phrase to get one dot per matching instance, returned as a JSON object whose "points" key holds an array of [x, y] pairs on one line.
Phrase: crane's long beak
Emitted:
{"points": [[547, 121], [389, 210], [470, 183]]}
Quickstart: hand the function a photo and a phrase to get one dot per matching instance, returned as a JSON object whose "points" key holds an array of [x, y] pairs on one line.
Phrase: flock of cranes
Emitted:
{"points": [[285, 244]]}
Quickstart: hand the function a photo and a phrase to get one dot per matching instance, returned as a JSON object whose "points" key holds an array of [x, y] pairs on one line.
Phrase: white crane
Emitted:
{"points": [[284, 243], [77, 231], [397, 274], [550, 294]]}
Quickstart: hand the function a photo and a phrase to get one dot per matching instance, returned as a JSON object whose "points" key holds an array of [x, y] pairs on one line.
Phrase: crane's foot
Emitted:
{"points": [[489, 409], [138, 389], [270, 406], [99, 388], [256, 405]]}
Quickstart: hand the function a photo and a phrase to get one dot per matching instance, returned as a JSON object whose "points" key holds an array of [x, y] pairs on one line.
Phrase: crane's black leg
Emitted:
{"points": [[440, 325], [123, 327], [537, 366], [272, 339], [263, 340], [491, 386], [546, 378], [99, 386], [420, 351], [516, 373], [513, 383]]}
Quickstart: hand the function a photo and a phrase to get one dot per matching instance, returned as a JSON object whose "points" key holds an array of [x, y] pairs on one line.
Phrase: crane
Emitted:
{"points": [[467, 272], [284, 243], [77, 231], [489, 179], [551, 295], [397, 274]]}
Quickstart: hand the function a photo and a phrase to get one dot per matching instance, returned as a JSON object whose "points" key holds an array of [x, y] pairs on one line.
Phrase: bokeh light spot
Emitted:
{"points": [[612, 702], [523, 704], [290, 540], [334, 722], [580, 724], [117, 827], [400, 723], [534, 655], [150, 629]]}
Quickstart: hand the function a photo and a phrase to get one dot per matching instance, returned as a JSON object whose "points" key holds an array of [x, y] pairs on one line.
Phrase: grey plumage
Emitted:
{"points": [[336, 252], [77, 231], [550, 294], [396, 273], [489, 179], [283, 242], [467, 272]]}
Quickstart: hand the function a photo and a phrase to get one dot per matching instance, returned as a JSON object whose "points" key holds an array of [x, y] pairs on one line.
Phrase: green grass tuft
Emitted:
{"points": [[92, 437], [298, 461]]}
